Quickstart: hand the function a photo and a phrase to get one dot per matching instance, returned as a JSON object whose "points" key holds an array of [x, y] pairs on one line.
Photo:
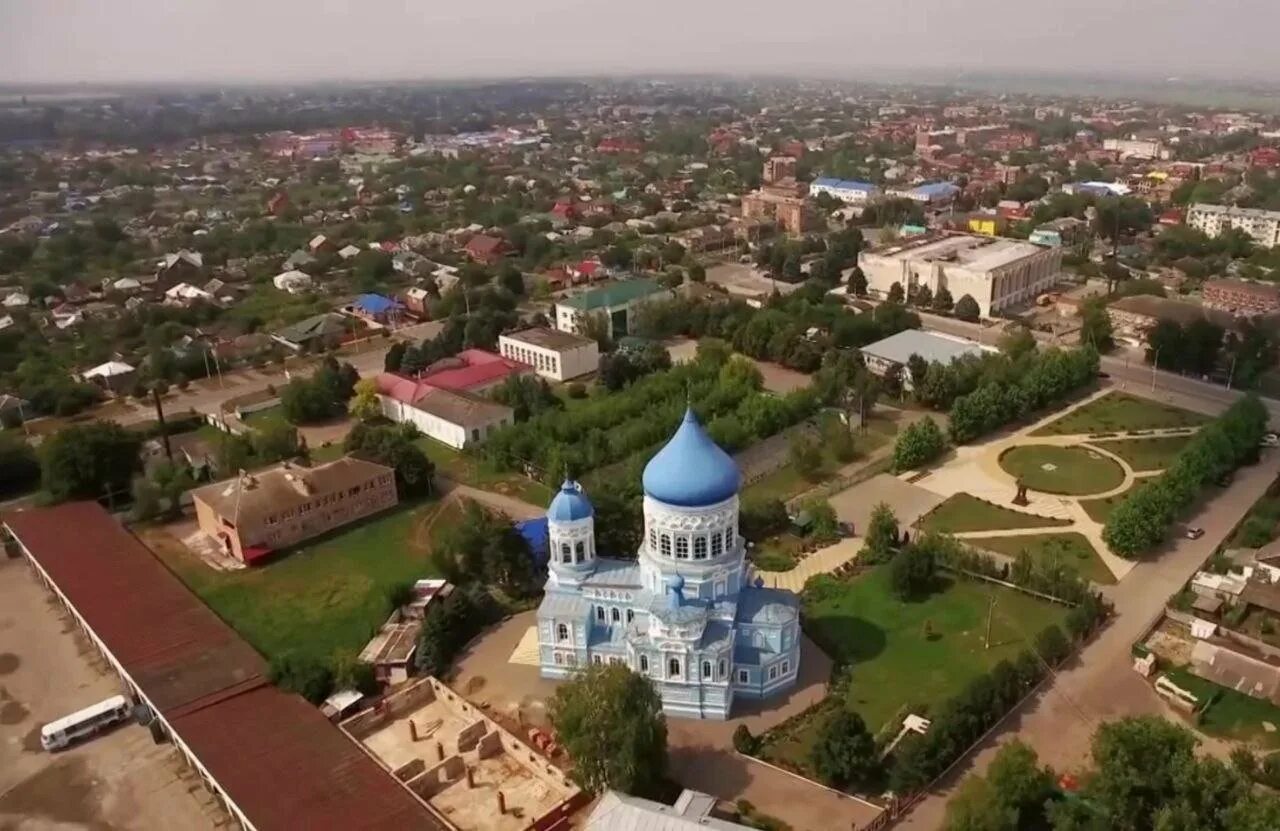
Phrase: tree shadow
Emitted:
{"points": [[850, 638]]}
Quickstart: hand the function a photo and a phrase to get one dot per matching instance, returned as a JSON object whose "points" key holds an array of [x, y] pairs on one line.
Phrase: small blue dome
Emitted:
{"points": [[691, 471], [569, 504]]}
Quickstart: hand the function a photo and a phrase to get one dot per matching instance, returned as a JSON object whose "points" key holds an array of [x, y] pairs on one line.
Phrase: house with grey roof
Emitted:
{"points": [[692, 810], [896, 350]]}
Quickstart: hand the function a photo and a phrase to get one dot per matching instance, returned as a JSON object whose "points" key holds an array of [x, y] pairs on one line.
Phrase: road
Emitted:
{"points": [[1100, 685]]}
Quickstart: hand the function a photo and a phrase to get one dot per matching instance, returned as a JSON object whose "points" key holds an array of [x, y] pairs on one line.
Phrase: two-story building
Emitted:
{"points": [[556, 355], [254, 514], [614, 301]]}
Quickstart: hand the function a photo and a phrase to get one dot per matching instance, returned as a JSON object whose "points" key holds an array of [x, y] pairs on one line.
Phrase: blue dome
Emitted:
{"points": [[691, 471], [569, 504]]}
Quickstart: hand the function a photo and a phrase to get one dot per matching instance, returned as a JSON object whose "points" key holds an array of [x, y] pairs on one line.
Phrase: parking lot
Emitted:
{"points": [[117, 780]]}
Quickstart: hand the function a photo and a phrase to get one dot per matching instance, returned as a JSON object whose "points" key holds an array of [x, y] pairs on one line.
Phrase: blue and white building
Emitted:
{"points": [[846, 190], [684, 613]]}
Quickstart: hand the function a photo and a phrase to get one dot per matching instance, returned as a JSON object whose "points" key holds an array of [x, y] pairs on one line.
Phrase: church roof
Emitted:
{"points": [[691, 470], [766, 606], [569, 504]]}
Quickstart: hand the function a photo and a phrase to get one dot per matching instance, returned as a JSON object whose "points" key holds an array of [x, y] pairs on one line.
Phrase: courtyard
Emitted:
{"points": [[1069, 471], [1114, 411]]}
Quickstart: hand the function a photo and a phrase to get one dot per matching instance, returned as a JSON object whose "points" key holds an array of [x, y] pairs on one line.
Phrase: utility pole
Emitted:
{"points": [[991, 610], [164, 431], [1155, 364], [1232, 374]]}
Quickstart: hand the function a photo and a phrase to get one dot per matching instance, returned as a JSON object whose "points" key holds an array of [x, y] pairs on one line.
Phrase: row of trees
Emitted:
{"points": [[1139, 523], [1146, 776], [1038, 380], [606, 429], [394, 445], [451, 624]]}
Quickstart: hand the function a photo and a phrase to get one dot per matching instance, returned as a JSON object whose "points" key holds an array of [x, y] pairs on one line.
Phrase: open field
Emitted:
{"points": [[1120, 411], [1068, 547], [786, 482], [1071, 471], [325, 595], [469, 471], [963, 513], [1155, 453], [1099, 509], [893, 662]]}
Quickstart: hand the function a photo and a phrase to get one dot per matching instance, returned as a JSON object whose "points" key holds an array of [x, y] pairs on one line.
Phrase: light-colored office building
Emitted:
{"points": [[613, 301], [559, 356], [454, 417], [1136, 148], [847, 191], [254, 514], [1262, 226], [995, 272]]}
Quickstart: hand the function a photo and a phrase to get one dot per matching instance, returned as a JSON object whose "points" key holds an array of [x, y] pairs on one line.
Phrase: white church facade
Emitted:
{"points": [[683, 613]]}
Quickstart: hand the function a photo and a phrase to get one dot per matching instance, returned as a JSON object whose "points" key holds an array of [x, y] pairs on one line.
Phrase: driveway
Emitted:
{"points": [[1100, 685]]}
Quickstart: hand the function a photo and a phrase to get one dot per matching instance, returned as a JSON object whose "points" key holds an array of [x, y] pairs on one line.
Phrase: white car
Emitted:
{"points": [[1271, 440], [1193, 533]]}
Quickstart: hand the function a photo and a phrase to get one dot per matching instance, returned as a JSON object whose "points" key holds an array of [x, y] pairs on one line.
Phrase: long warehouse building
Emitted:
{"points": [[273, 760]]}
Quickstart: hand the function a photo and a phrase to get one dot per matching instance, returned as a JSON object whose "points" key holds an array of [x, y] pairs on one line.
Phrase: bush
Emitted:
{"points": [[1052, 646], [303, 675], [762, 519], [913, 572], [919, 444], [744, 742], [576, 390], [966, 308]]}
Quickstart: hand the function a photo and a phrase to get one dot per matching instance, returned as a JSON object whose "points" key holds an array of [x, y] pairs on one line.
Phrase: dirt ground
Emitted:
{"points": [[117, 780]]}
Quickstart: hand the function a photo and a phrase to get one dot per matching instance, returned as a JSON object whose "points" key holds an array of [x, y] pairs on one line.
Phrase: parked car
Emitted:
{"points": [[1271, 440], [1193, 533]]}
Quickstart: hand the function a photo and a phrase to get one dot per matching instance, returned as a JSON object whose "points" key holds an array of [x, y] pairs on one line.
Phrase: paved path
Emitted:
{"points": [[509, 505], [822, 561], [1101, 684]]}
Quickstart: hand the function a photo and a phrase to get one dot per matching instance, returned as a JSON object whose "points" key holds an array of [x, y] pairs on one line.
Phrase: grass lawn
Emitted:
{"points": [[271, 415], [1233, 715], [894, 667], [463, 468], [780, 553], [1063, 470], [1118, 411], [962, 512], [325, 595], [786, 482], [1146, 454], [1071, 548], [1260, 526], [1099, 509]]}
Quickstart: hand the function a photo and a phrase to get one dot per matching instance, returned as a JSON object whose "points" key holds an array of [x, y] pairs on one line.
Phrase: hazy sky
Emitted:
{"points": [[299, 40]]}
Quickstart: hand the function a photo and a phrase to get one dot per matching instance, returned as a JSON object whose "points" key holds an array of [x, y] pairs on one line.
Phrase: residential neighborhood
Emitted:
{"points": [[773, 450]]}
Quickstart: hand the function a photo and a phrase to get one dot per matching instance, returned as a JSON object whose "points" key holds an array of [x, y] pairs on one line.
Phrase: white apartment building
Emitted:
{"points": [[995, 272], [1262, 226], [555, 355]]}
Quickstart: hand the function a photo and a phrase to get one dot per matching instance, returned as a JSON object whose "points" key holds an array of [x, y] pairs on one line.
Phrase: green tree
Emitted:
{"points": [[845, 752], [857, 282], [89, 461], [967, 309], [366, 406], [19, 464], [1018, 341], [1095, 325], [1021, 784], [975, 807], [610, 721], [942, 301], [483, 546], [882, 532], [394, 445], [919, 444], [913, 572], [895, 293], [805, 456], [301, 674]]}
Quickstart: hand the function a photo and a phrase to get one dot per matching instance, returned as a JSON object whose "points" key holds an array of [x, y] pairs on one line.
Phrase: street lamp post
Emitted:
{"points": [[1232, 374], [1155, 364]]}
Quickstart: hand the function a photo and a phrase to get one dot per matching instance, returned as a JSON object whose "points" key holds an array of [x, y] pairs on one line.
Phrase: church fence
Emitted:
{"points": [[878, 822]]}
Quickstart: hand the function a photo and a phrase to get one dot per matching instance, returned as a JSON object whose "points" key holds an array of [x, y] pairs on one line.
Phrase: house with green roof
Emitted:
{"points": [[612, 300]]}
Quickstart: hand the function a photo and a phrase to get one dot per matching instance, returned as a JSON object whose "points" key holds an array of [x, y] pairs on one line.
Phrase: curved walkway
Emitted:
{"points": [[822, 561]]}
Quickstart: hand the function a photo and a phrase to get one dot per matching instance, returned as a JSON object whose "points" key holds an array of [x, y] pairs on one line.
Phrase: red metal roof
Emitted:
{"points": [[278, 759], [287, 766], [174, 647]]}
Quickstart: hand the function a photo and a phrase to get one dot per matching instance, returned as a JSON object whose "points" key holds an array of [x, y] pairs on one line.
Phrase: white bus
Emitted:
{"points": [[86, 722]]}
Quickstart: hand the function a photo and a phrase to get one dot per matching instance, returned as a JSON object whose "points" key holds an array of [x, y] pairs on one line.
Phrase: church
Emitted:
{"points": [[684, 612]]}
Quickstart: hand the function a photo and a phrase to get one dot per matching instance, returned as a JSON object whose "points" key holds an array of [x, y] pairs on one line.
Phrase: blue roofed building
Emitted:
{"points": [[846, 190], [377, 307], [684, 612], [931, 194], [534, 532]]}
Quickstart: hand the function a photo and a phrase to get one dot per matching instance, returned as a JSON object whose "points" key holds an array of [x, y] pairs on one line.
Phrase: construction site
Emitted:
{"points": [[475, 773]]}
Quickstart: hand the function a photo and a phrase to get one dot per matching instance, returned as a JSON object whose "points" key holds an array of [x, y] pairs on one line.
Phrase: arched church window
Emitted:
{"points": [[600, 613], [717, 544], [630, 615], [566, 553], [673, 668], [653, 538], [597, 660], [580, 551], [562, 632], [706, 669], [559, 659], [728, 539], [644, 663], [721, 674], [617, 615], [682, 548], [666, 545], [699, 547]]}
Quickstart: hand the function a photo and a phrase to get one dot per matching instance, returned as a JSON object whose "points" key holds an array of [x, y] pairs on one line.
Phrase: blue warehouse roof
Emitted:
{"points": [[844, 184]]}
